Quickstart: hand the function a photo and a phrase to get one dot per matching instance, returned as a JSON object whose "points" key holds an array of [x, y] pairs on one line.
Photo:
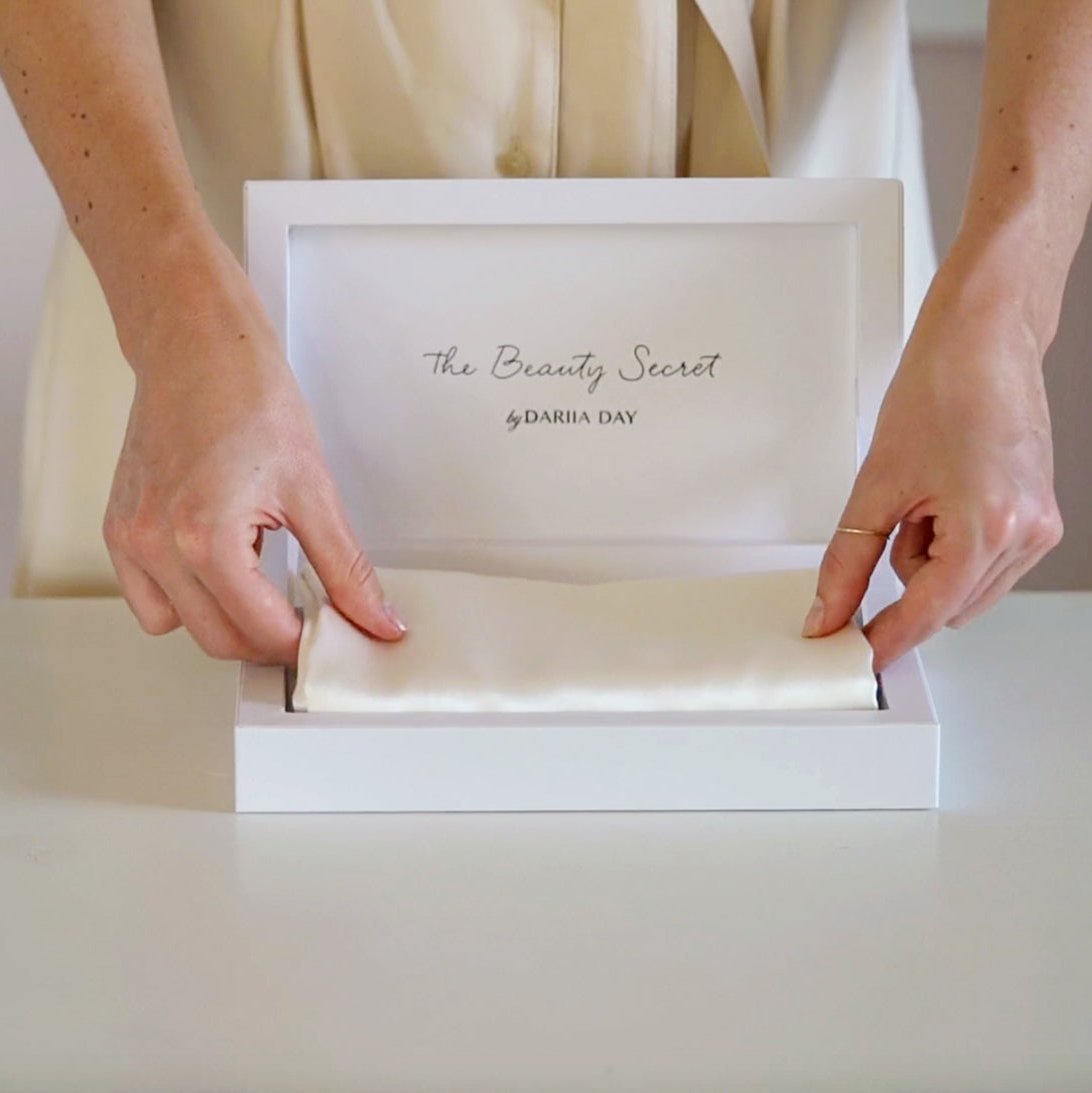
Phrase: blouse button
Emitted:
{"points": [[515, 162]]}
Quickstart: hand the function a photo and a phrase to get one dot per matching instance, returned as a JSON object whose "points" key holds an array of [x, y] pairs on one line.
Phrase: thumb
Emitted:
{"points": [[847, 565], [319, 522]]}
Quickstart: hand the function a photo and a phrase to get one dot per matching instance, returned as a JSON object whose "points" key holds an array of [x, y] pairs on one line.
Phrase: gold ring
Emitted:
{"points": [[864, 531]]}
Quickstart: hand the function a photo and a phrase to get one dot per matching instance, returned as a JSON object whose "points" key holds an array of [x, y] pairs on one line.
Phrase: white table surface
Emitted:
{"points": [[152, 940]]}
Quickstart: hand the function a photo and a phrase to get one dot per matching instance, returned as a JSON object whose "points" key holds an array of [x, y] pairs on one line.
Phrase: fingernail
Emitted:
{"points": [[396, 620], [814, 622]]}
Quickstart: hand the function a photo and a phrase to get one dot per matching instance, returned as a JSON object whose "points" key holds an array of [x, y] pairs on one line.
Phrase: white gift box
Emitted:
{"points": [[586, 380]]}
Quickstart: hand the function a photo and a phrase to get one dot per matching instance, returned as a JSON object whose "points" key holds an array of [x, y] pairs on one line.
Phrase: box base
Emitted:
{"points": [[779, 759], [816, 760]]}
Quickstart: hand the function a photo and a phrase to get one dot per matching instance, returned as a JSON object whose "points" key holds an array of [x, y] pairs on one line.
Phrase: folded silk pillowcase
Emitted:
{"points": [[503, 644]]}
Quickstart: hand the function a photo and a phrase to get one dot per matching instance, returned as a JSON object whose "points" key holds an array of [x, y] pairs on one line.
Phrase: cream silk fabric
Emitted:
{"points": [[489, 644], [478, 88]]}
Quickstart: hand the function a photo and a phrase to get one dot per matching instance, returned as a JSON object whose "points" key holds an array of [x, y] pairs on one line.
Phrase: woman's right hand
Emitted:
{"points": [[220, 448]]}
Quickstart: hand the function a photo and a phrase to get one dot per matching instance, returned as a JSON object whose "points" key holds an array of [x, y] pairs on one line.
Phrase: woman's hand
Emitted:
{"points": [[221, 447], [961, 462]]}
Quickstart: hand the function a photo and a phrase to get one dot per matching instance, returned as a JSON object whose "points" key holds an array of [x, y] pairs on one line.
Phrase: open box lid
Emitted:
{"points": [[586, 360]]}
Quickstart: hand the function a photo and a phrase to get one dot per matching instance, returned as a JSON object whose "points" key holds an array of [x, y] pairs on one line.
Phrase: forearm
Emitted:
{"points": [[1031, 185], [87, 80]]}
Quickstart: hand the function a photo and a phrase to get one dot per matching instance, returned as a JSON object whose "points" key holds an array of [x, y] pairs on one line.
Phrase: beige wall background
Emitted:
{"points": [[948, 62]]}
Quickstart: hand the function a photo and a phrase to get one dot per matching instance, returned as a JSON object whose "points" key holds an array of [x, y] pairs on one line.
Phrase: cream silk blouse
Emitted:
{"points": [[478, 88]]}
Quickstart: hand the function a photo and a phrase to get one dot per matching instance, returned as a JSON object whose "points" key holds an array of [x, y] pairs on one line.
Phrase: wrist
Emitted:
{"points": [[1010, 260], [183, 277]]}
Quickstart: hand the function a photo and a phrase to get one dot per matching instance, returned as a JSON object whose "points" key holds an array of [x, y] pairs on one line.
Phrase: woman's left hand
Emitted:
{"points": [[961, 463]]}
